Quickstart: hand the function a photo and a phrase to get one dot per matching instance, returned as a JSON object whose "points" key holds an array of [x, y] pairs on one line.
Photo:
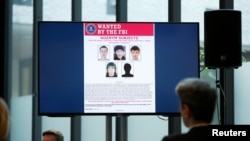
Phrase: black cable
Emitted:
{"points": [[202, 69], [161, 117], [218, 110], [219, 119], [218, 85]]}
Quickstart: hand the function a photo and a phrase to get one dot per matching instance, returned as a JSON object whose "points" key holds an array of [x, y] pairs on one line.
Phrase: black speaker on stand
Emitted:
{"points": [[223, 47]]}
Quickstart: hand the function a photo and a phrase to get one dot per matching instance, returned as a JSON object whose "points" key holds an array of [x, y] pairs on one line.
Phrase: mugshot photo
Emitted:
{"points": [[111, 69], [135, 53], [127, 70], [119, 52], [103, 52]]}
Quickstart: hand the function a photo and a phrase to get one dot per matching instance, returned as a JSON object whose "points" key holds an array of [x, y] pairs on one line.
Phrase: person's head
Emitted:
{"points": [[103, 52], [111, 69], [135, 52], [52, 135], [197, 101], [4, 120], [119, 51], [127, 67]]}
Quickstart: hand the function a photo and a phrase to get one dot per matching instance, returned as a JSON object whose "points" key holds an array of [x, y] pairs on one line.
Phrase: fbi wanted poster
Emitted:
{"points": [[119, 67]]}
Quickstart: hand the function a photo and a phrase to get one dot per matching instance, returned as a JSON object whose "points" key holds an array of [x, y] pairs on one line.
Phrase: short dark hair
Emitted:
{"points": [[57, 134], [103, 47], [117, 47], [134, 48], [199, 96]]}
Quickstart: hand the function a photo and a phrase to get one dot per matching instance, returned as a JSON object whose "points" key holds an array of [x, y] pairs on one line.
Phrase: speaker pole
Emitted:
{"points": [[222, 97]]}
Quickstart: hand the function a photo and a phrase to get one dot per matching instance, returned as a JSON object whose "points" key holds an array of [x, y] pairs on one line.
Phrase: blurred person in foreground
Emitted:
{"points": [[52, 135], [4, 120], [197, 104]]}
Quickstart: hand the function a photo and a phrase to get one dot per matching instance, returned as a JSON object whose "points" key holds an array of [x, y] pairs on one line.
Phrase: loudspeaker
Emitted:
{"points": [[222, 29]]}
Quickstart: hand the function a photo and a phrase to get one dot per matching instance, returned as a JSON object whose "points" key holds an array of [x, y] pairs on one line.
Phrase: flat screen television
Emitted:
{"points": [[110, 68]]}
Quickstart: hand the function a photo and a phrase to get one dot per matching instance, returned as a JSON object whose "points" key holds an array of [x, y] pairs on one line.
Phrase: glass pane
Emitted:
{"points": [[245, 19], [57, 10], [241, 91], [93, 128], [147, 128], [21, 118], [242, 75], [151, 10], [193, 11], [21, 52], [98, 10]]}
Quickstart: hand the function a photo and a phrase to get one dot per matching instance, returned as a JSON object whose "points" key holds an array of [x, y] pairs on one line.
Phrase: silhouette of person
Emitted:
{"points": [[111, 70], [127, 69]]}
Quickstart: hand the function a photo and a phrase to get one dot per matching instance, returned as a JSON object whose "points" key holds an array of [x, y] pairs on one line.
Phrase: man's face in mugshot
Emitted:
{"points": [[135, 54], [103, 52], [119, 53]]}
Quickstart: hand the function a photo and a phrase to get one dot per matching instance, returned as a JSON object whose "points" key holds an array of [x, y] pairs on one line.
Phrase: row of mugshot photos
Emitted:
{"points": [[119, 52]]}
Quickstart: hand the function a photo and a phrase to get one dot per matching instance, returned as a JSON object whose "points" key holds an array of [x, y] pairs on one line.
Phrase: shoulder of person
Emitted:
{"points": [[176, 137]]}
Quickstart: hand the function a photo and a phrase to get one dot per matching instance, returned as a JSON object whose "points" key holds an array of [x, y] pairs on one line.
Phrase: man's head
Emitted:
{"points": [[119, 51], [197, 101], [4, 120], [52, 135], [135, 52], [103, 52]]}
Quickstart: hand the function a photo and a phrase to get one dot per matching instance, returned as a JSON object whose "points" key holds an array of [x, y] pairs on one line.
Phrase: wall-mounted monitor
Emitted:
{"points": [[110, 68]]}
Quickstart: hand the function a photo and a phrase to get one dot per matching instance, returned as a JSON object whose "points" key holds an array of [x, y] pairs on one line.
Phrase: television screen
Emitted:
{"points": [[109, 68]]}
